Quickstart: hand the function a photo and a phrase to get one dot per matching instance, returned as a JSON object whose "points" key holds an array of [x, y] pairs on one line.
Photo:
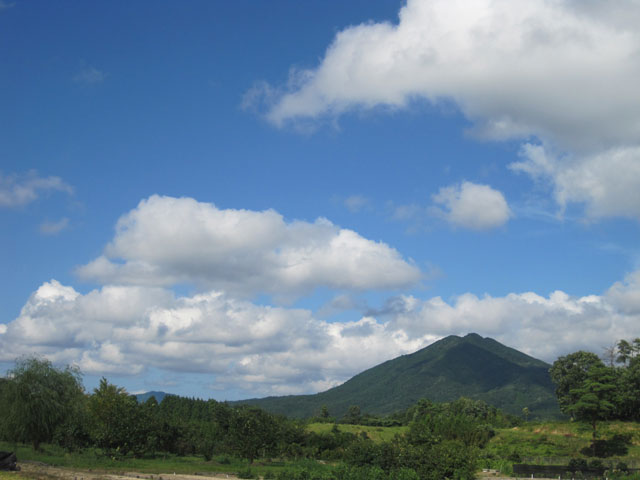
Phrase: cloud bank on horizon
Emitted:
{"points": [[135, 321], [559, 76]]}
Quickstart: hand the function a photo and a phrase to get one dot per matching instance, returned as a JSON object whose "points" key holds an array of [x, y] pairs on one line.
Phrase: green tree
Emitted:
{"points": [[353, 415], [595, 398], [568, 373], [628, 391], [625, 352], [116, 427], [38, 398], [252, 432]]}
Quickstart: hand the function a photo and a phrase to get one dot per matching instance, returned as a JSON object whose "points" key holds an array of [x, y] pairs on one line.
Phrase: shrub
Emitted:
{"points": [[246, 473]]}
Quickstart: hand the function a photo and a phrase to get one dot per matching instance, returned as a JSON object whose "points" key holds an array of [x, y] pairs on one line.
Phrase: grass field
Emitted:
{"points": [[377, 434], [89, 460], [555, 443]]}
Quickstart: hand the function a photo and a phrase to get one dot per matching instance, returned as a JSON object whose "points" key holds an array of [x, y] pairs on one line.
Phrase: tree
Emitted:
{"points": [[117, 427], [353, 415], [609, 354], [568, 373], [39, 398], [526, 413], [594, 398], [625, 352], [628, 392], [252, 431]]}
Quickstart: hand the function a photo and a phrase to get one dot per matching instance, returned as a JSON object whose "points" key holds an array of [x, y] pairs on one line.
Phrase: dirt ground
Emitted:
{"points": [[42, 471]]}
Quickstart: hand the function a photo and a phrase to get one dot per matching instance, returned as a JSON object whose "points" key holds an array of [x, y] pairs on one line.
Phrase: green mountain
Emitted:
{"points": [[470, 366]]}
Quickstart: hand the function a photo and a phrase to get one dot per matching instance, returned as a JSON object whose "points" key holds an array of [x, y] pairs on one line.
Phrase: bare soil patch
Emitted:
{"points": [[41, 471]]}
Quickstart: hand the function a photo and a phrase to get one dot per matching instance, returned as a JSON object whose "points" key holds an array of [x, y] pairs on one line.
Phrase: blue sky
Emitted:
{"points": [[233, 199]]}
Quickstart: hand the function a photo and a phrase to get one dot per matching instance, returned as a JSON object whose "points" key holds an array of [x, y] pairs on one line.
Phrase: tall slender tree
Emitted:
{"points": [[625, 352]]}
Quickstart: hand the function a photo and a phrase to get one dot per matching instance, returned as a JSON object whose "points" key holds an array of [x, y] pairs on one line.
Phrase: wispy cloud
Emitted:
{"points": [[21, 189], [53, 228], [89, 76], [356, 203], [6, 5]]}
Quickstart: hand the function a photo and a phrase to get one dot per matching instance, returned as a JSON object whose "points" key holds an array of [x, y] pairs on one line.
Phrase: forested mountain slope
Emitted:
{"points": [[470, 366]]}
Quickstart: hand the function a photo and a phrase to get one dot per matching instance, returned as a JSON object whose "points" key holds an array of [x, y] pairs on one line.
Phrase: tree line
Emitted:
{"points": [[45, 404]]}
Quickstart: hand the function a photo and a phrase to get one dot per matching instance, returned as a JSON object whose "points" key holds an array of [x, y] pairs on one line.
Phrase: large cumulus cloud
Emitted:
{"points": [[564, 72], [260, 349], [167, 241]]}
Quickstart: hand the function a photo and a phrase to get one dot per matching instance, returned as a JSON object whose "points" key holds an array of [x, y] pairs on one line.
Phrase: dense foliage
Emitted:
{"points": [[590, 391], [37, 400], [432, 440], [48, 405]]}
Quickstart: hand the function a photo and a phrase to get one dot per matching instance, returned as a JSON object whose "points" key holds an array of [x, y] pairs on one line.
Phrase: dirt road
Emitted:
{"points": [[41, 471]]}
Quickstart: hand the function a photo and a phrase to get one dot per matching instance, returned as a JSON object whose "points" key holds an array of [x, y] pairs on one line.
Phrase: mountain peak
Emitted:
{"points": [[470, 366]]}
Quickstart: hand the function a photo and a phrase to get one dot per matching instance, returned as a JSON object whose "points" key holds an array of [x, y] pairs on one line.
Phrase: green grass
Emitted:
{"points": [[555, 443], [377, 434], [91, 460]]}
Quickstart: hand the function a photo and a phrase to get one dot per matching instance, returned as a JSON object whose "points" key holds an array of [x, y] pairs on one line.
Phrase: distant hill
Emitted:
{"points": [[470, 366], [143, 397]]}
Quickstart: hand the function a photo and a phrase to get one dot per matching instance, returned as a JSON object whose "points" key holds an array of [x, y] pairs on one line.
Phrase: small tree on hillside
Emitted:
{"points": [[568, 373], [353, 416], [595, 400]]}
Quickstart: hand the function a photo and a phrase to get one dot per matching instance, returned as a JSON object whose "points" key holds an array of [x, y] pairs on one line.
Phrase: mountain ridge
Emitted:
{"points": [[470, 366]]}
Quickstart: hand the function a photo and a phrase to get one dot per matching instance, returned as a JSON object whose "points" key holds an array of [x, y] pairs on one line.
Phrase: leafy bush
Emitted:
{"points": [[577, 464], [246, 473]]}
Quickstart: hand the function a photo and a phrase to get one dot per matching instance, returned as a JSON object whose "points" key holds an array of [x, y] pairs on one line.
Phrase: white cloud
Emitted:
{"points": [[625, 296], [89, 76], [264, 350], [472, 206], [544, 327], [53, 228], [514, 67], [562, 71], [606, 183], [167, 241], [19, 190]]}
